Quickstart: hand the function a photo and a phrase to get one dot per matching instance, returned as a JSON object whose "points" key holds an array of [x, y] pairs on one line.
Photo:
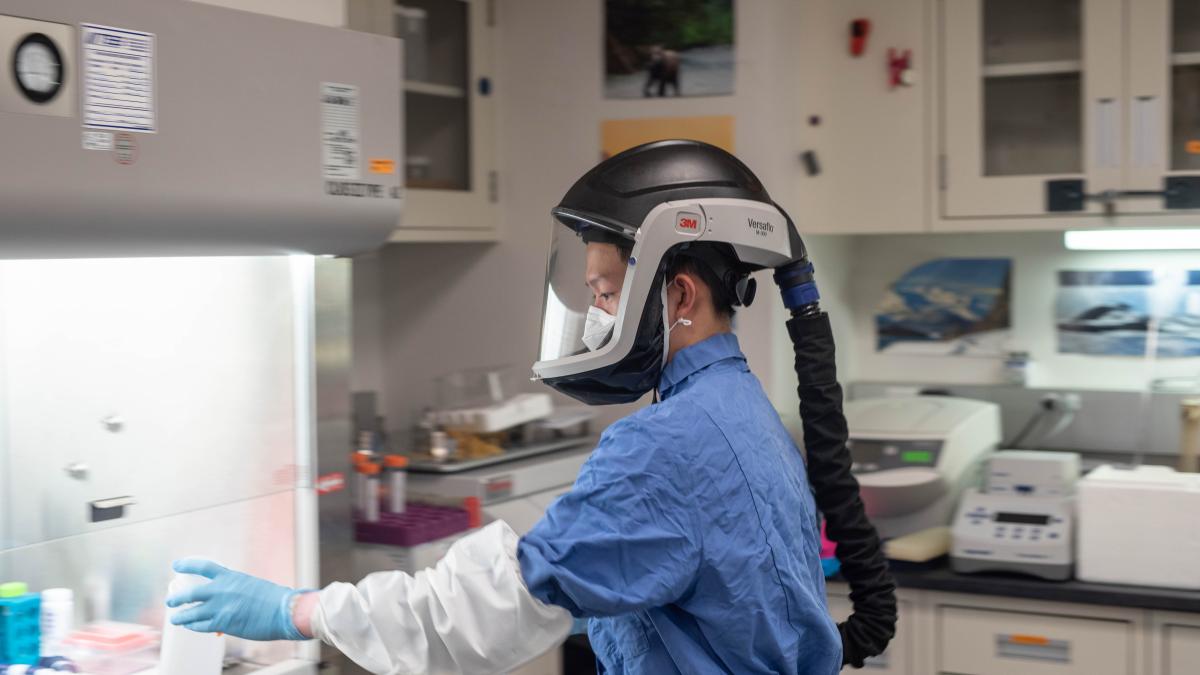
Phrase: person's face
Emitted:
{"points": [[605, 275]]}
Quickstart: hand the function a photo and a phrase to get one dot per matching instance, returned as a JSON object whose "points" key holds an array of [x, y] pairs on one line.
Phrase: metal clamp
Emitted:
{"points": [[1179, 192]]}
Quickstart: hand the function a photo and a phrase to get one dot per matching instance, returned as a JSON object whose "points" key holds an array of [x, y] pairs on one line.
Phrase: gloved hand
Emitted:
{"points": [[234, 603]]}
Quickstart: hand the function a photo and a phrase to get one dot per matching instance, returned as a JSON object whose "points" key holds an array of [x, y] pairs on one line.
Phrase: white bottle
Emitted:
{"points": [[58, 619], [186, 652]]}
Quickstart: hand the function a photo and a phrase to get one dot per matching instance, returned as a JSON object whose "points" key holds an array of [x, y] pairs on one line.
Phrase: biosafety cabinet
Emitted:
{"points": [[176, 182]]}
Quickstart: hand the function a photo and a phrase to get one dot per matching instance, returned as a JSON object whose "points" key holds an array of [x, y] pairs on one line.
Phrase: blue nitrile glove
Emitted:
{"points": [[234, 603]]}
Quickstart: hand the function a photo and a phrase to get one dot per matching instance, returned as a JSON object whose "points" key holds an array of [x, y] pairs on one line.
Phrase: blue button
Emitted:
{"points": [[1053, 535]]}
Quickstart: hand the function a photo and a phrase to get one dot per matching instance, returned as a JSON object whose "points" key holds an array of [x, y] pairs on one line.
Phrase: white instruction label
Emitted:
{"points": [[118, 78], [339, 131], [97, 140]]}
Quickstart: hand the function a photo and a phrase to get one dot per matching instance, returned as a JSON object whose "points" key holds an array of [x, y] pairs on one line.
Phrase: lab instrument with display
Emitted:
{"points": [[914, 455], [1022, 519]]}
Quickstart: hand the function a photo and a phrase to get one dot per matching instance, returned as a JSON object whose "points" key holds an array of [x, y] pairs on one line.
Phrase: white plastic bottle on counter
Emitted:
{"points": [[186, 652], [58, 619]]}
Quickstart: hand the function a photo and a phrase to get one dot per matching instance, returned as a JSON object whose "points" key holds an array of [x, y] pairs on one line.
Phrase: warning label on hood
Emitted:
{"points": [[339, 131], [118, 78]]}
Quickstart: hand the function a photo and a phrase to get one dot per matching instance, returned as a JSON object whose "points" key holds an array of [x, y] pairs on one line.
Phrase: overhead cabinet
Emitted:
{"points": [[449, 114], [1068, 108], [1164, 96], [864, 142]]}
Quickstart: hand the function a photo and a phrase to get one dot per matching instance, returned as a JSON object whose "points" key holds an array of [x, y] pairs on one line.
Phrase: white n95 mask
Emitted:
{"points": [[598, 328]]}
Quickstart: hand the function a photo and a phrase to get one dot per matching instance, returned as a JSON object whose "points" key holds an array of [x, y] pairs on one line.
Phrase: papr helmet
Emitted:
{"points": [[657, 201]]}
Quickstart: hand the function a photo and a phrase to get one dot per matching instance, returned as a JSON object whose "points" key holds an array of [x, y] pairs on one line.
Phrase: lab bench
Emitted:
{"points": [[998, 624]]}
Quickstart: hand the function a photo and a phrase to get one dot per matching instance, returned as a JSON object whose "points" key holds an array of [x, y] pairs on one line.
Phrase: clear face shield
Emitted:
{"points": [[585, 280]]}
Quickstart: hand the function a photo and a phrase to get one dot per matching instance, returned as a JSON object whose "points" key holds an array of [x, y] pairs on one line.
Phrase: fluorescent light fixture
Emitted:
{"points": [[1131, 240]]}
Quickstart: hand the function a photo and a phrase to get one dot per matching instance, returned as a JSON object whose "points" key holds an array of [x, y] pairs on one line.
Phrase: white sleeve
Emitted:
{"points": [[472, 613]]}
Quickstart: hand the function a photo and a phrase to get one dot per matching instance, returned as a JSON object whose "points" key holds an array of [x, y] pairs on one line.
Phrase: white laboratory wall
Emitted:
{"points": [[1037, 257], [452, 306], [326, 12], [833, 259]]}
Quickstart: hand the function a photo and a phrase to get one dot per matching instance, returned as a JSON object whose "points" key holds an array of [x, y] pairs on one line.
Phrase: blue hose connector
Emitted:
{"points": [[797, 284], [798, 296]]}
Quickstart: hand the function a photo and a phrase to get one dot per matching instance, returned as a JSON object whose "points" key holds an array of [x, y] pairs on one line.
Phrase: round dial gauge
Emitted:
{"points": [[38, 68]]}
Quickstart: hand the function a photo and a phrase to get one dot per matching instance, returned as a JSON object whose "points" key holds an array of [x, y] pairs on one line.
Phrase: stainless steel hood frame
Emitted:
{"points": [[235, 165]]}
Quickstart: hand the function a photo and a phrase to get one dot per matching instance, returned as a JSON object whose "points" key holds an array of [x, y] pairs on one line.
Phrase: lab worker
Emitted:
{"points": [[689, 542]]}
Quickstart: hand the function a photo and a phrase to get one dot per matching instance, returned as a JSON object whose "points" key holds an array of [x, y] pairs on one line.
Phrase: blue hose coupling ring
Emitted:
{"points": [[799, 296]]}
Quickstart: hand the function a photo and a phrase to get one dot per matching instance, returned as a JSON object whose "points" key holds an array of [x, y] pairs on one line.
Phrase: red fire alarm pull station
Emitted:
{"points": [[900, 68], [860, 30]]}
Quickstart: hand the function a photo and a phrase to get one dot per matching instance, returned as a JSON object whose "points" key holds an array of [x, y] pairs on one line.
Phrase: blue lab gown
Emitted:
{"points": [[690, 537]]}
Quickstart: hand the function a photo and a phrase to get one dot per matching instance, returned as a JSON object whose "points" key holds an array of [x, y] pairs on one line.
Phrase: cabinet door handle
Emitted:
{"points": [[1146, 121], [1179, 192], [1035, 647], [1106, 140]]}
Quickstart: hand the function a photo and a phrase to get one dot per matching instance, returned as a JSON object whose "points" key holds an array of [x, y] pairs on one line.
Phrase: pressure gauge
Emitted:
{"points": [[38, 68]]}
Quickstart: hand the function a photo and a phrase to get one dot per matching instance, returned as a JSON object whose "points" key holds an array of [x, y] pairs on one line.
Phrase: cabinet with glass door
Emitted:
{"points": [[449, 140], [1031, 103], [1164, 101]]}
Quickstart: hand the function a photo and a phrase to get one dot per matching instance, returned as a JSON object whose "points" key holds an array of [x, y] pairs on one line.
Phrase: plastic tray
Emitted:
{"points": [[425, 464], [112, 648], [420, 523]]}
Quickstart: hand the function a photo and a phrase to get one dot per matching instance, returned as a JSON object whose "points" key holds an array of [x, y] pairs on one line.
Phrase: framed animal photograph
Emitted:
{"points": [[666, 48]]}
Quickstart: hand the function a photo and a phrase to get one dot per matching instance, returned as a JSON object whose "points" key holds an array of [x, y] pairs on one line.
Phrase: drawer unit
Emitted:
{"points": [[987, 642], [897, 658]]}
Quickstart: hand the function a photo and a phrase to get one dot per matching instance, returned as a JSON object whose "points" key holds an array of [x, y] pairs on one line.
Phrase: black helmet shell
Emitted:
{"points": [[620, 191]]}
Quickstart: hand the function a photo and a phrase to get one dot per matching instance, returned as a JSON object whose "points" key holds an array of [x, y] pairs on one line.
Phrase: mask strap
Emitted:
{"points": [[668, 328]]}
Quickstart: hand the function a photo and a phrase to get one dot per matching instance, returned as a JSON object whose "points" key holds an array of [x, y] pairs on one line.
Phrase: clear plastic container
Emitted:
{"points": [[474, 388], [395, 468], [370, 505], [186, 652]]}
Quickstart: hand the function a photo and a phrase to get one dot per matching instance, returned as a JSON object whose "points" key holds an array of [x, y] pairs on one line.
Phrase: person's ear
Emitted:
{"points": [[687, 295]]}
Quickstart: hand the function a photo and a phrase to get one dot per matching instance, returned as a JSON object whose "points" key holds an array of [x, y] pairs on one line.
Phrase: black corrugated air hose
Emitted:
{"points": [[872, 589]]}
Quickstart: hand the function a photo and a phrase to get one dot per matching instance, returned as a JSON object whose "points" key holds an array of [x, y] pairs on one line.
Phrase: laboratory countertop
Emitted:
{"points": [[939, 577]]}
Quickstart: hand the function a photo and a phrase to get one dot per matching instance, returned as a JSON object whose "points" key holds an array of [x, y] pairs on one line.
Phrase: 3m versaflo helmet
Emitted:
{"points": [[655, 201]]}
